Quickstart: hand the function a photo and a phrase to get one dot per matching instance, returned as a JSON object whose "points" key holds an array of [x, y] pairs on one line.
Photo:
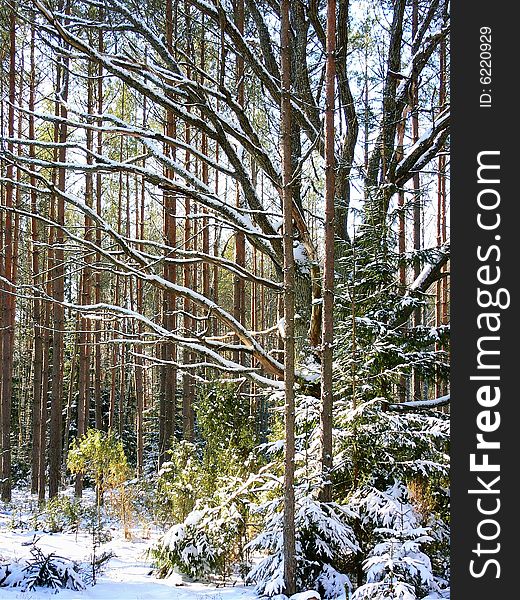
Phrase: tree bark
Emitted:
{"points": [[58, 315], [328, 264], [239, 290], [8, 299], [289, 534], [84, 334], [98, 379], [417, 212], [37, 313]]}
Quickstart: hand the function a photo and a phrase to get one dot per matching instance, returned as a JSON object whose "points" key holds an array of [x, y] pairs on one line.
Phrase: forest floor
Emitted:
{"points": [[126, 576]]}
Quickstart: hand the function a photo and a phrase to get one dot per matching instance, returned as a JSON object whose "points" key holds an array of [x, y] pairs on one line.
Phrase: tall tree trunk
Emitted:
{"points": [[328, 264], [98, 379], [42, 462], [139, 373], [169, 370], [189, 279], [289, 534], [58, 292], [73, 388], [85, 286], [417, 220], [205, 180], [8, 299], [239, 292], [441, 287], [37, 304], [401, 237]]}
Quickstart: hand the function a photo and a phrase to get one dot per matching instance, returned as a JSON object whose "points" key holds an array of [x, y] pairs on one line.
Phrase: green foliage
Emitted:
{"points": [[61, 513], [224, 449], [226, 428], [211, 539], [198, 488], [20, 469], [396, 565], [180, 482], [379, 446], [376, 352], [325, 543], [101, 457]]}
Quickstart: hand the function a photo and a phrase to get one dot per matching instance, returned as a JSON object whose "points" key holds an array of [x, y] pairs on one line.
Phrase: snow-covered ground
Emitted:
{"points": [[127, 576]]}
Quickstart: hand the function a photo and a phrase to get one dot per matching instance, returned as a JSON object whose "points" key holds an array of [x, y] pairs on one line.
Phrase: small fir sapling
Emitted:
{"points": [[396, 567]]}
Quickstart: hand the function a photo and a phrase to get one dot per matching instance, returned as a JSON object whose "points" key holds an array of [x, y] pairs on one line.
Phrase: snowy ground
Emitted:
{"points": [[126, 577]]}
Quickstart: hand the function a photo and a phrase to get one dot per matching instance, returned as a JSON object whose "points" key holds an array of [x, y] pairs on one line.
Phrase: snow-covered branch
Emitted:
{"points": [[421, 404]]}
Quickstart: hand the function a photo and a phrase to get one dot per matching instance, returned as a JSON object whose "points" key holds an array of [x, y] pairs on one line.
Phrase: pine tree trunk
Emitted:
{"points": [[139, 373], [417, 219], [37, 304], [85, 286], [188, 274], [328, 265], [401, 237], [138, 370], [58, 315], [98, 379], [239, 293], [8, 299], [289, 535], [42, 462], [441, 287], [167, 407]]}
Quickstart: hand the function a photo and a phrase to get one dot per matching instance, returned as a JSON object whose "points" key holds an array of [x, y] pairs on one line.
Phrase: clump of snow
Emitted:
{"points": [[301, 258], [310, 369], [308, 595]]}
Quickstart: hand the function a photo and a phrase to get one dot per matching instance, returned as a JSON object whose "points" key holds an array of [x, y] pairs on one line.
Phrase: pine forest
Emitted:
{"points": [[224, 299]]}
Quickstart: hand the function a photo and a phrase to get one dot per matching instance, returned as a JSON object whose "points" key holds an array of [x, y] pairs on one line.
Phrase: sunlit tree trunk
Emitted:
{"points": [[58, 292], [84, 334], [8, 299], [441, 299], [417, 212], [289, 536], [37, 308], [97, 335], [328, 264], [239, 291]]}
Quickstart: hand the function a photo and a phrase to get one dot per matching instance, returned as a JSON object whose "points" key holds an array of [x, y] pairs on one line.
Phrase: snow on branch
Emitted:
{"points": [[143, 270], [429, 275], [424, 150], [421, 404], [430, 272]]}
